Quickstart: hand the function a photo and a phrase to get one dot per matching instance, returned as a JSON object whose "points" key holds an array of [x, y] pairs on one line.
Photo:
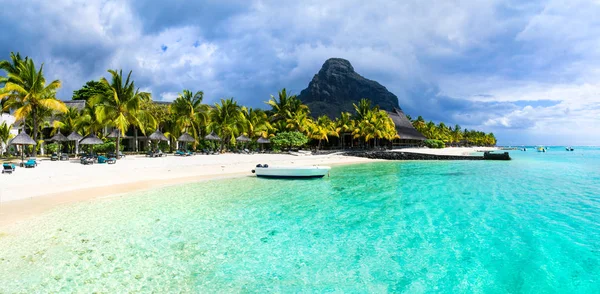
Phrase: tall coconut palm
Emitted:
{"points": [[256, 122], [25, 91], [227, 119], [120, 107], [322, 129], [11, 66], [5, 135], [190, 112], [67, 122], [284, 107], [344, 124]]}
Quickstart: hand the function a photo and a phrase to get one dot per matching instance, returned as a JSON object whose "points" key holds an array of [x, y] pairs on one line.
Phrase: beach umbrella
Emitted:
{"points": [[158, 136], [74, 136], [185, 137], [91, 139], [212, 137], [22, 139], [242, 138], [58, 137], [262, 141]]}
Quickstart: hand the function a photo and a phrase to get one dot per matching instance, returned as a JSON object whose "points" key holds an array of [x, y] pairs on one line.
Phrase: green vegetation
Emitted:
{"points": [[289, 140], [434, 143], [453, 135], [117, 103]]}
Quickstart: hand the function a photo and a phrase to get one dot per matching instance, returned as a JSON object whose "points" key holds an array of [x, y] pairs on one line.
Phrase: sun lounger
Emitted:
{"points": [[8, 168], [54, 157], [64, 156], [180, 153], [85, 160], [31, 163]]}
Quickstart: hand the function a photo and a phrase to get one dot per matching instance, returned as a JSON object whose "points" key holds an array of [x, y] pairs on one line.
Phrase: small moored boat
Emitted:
{"points": [[266, 171], [569, 148]]}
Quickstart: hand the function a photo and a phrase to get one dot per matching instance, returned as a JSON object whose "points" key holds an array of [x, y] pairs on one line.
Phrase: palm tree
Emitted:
{"points": [[11, 67], [286, 107], [5, 135], [227, 119], [120, 107], [67, 122], [363, 108], [26, 92], [190, 112], [256, 123], [456, 134], [322, 129], [344, 124]]}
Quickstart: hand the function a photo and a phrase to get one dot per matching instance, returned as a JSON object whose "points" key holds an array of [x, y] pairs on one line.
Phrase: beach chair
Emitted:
{"points": [[111, 160], [8, 168], [189, 153], [54, 157], [179, 153], [102, 159], [31, 163], [64, 157], [85, 160]]}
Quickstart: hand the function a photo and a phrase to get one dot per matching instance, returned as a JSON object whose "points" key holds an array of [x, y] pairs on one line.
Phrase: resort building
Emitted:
{"points": [[409, 136]]}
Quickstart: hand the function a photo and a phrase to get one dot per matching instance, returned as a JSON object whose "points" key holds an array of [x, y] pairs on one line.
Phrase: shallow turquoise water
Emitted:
{"points": [[530, 225]]}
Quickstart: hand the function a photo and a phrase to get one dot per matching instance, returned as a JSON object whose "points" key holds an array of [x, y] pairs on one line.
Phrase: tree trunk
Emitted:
{"points": [[117, 144], [135, 136], [319, 146]]}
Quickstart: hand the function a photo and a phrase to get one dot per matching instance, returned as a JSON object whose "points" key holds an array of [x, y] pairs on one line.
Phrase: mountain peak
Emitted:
{"points": [[337, 86]]}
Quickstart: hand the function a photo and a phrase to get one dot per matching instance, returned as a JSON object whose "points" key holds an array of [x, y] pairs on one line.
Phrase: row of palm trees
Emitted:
{"points": [[120, 105], [453, 135]]}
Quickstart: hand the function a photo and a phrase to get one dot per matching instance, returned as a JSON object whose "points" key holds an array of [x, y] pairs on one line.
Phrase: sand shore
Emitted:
{"points": [[28, 192], [453, 151]]}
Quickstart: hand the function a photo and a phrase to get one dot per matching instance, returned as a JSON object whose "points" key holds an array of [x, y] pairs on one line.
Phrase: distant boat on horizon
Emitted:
{"points": [[541, 149]]}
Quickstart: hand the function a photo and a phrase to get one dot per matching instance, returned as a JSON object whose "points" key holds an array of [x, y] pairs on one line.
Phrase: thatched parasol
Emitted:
{"points": [[242, 138], [91, 139], [158, 136], [74, 136], [186, 138], [22, 139], [212, 136], [58, 137], [262, 140]]}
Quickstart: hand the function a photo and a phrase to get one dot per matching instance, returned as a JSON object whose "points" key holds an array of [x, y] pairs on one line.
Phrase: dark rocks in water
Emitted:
{"points": [[337, 86], [408, 156]]}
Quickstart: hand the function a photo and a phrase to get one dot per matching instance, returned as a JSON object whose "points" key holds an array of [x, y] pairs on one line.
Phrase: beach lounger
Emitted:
{"points": [[54, 157], [8, 168], [31, 163], [86, 160], [180, 153], [64, 156]]}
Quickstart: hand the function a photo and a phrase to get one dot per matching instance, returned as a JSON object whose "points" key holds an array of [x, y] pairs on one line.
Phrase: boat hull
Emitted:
{"points": [[292, 172]]}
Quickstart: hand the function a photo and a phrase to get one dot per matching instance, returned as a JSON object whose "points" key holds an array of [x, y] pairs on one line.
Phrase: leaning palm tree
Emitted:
{"points": [[26, 92], [344, 124], [227, 119], [285, 107], [120, 106], [190, 112], [67, 122]]}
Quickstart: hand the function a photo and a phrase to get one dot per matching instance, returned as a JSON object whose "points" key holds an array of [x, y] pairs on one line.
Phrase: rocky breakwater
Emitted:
{"points": [[397, 155]]}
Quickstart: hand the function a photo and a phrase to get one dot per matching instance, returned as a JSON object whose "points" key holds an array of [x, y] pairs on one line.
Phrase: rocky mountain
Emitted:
{"points": [[337, 86]]}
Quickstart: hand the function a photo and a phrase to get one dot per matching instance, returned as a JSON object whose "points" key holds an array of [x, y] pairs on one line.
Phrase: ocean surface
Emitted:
{"points": [[531, 225]]}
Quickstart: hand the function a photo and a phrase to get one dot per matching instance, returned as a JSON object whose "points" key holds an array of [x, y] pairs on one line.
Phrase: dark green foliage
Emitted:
{"points": [[52, 148], [435, 143], [289, 140], [90, 89]]}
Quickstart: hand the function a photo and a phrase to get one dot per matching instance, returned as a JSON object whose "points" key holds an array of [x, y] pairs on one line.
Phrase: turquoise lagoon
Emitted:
{"points": [[530, 225]]}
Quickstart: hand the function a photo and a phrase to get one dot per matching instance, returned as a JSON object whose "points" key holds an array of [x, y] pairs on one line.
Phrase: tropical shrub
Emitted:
{"points": [[435, 143], [52, 148], [289, 140]]}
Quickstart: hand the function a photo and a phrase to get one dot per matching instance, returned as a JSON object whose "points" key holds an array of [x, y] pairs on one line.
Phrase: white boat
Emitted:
{"points": [[569, 148], [267, 171]]}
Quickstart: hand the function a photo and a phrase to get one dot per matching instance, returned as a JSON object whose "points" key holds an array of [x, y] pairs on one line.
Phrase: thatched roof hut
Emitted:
{"points": [[404, 127], [74, 136], [212, 136], [158, 136], [91, 139], [115, 134], [22, 139], [185, 137], [242, 138], [58, 137], [262, 140]]}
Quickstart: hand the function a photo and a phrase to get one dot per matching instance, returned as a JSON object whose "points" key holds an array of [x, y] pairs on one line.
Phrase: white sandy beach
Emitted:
{"points": [[455, 151], [31, 191]]}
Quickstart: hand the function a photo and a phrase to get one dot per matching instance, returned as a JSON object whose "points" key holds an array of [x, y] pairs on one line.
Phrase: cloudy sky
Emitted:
{"points": [[529, 71]]}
